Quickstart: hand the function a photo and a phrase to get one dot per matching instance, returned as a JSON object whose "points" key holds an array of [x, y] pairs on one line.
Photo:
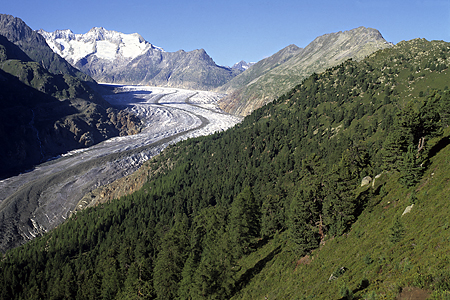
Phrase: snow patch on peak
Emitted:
{"points": [[59, 34]]}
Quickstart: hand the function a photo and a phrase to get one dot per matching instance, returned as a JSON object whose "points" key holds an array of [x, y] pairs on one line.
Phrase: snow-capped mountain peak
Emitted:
{"points": [[115, 57], [99, 42], [242, 65]]}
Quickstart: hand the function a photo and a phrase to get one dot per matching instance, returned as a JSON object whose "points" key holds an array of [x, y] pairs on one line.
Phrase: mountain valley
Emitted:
{"points": [[169, 115], [46, 111], [333, 186]]}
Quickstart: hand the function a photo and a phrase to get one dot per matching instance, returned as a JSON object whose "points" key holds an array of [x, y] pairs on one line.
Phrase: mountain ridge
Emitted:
{"points": [[35, 46], [323, 52], [114, 57], [73, 47]]}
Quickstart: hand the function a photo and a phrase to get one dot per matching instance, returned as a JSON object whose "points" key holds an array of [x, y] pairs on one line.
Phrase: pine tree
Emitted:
{"points": [[244, 224], [340, 202], [410, 168], [394, 146], [272, 215], [197, 240], [397, 231], [213, 277], [303, 213], [170, 261]]}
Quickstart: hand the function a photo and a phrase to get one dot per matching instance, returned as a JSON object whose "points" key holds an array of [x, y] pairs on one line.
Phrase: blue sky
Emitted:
{"points": [[235, 30]]}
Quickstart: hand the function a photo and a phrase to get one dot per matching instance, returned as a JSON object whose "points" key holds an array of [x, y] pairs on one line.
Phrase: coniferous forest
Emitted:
{"points": [[265, 208]]}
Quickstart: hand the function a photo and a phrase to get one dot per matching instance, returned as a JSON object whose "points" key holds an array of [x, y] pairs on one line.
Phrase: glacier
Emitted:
{"points": [[37, 201]]}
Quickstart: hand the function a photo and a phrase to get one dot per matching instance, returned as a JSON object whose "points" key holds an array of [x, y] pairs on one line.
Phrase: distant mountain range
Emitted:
{"points": [[64, 65], [114, 57], [277, 74], [111, 56]]}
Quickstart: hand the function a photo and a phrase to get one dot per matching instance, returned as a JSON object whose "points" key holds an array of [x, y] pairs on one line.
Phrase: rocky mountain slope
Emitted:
{"points": [[114, 57], [35, 46], [44, 114], [275, 75]]}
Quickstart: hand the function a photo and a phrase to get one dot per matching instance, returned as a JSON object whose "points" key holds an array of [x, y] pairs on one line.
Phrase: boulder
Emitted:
{"points": [[366, 180], [408, 209]]}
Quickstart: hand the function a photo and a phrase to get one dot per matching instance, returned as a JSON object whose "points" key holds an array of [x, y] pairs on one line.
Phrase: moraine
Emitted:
{"points": [[37, 201]]}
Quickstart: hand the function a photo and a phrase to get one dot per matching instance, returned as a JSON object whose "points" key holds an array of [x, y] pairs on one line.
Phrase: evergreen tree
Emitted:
{"points": [[213, 278], [444, 109], [272, 215], [410, 167], [197, 239], [303, 213], [170, 261], [340, 202], [111, 278], [394, 146], [397, 231], [244, 223]]}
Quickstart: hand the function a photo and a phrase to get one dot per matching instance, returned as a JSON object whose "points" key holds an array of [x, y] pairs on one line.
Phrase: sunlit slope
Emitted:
{"points": [[325, 51]]}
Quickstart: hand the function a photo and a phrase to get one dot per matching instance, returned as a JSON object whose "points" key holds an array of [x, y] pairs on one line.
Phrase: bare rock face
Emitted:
{"points": [[87, 139], [275, 75], [126, 123]]}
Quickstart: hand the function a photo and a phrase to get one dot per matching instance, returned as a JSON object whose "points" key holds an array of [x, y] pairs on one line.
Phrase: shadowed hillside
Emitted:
{"points": [[46, 112]]}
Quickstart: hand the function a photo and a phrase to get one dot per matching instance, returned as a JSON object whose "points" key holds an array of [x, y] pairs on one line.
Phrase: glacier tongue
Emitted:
{"points": [[99, 42]]}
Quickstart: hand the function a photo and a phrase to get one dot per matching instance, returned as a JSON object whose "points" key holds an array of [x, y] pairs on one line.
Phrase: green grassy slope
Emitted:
{"points": [[375, 267]]}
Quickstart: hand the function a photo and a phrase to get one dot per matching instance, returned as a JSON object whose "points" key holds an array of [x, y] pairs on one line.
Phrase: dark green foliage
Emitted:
{"points": [[208, 272], [397, 231], [170, 260], [303, 213], [404, 147], [410, 167], [272, 216], [244, 223]]}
